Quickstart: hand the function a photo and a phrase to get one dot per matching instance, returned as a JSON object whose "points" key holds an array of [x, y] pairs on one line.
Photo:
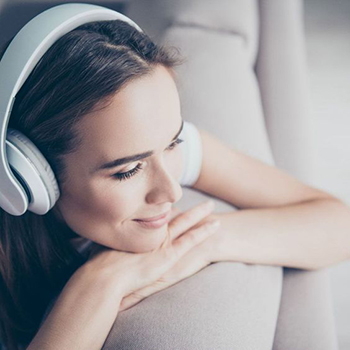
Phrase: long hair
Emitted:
{"points": [[78, 74]]}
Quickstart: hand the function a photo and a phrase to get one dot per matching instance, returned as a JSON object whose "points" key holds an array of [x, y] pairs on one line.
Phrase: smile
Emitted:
{"points": [[162, 220]]}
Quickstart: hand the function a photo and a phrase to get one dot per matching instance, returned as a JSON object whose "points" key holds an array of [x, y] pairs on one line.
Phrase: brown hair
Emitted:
{"points": [[78, 74]]}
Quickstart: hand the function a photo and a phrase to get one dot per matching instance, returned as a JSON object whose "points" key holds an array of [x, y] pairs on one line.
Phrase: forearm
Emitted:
{"points": [[307, 235], [82, 315]]}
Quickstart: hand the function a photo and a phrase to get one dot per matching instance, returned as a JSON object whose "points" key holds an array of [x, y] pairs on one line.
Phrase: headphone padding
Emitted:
{"points": [[43, 168]]}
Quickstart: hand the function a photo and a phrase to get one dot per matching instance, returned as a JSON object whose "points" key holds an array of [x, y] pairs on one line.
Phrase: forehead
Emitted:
{"points": [[142, 116]]}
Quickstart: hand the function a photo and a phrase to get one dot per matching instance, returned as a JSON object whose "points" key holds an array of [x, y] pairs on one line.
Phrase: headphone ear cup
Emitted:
{"points": [[32, 171]]}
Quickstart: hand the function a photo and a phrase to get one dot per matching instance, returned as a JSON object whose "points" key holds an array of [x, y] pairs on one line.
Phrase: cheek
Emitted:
{"points": [[107, 219], [103, 210], [95, 209]]}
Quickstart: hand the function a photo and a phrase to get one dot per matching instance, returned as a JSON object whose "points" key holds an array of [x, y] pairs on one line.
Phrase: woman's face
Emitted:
{"points": [[143, 116]]}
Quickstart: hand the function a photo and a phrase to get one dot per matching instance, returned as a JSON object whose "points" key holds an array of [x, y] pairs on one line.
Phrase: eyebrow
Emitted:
{"points": [[133, 158]]}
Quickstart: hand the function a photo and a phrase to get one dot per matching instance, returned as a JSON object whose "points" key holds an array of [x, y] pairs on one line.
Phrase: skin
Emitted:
{"points": [[145, 115]]}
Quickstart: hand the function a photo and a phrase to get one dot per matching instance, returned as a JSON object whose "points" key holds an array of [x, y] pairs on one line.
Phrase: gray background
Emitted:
{"points": [[327, 28]]}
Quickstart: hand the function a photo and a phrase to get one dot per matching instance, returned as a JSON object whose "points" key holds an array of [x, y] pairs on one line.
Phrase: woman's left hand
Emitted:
{"points": [[195, 260]]}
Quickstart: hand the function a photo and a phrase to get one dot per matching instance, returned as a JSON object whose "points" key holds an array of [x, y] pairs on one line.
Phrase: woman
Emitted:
{"points": [[104, 92]]}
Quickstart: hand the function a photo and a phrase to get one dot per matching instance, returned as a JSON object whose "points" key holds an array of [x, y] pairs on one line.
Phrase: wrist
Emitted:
{"points": [[216, 243], [104, 280]]}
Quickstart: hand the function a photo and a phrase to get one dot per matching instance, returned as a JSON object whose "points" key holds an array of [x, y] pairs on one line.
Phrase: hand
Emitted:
{"points": [[192, 262], [212, 247], [133, 271]]}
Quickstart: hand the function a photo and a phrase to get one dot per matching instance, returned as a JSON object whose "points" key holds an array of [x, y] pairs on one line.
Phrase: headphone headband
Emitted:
{"points": [[20, 58]]}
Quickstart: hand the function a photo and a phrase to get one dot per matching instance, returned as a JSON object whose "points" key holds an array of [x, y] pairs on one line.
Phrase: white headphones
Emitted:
{"points": [[26, 178]]}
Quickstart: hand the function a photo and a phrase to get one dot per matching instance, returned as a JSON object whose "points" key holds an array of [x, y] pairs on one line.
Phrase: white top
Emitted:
{"points": [[191, 154], [191, 166]]}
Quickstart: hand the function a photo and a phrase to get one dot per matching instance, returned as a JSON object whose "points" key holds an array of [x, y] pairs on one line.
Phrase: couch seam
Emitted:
{"points": [[179, 23]]}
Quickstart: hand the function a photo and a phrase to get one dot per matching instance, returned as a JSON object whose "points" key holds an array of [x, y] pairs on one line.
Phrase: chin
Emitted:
{"points": [[154, 240]]}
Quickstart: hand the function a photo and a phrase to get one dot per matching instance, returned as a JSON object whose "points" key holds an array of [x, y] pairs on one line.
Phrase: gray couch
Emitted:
{"points": [[245, 81]]}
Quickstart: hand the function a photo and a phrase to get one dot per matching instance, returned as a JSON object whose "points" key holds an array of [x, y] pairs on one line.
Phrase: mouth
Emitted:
{"points": [[154, 222]]}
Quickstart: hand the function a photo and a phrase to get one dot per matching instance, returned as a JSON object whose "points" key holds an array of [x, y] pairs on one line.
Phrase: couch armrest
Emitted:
{"points": [[284, 86]]}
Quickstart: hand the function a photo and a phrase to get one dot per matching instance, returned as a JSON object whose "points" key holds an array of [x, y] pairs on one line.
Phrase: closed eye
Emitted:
{"points": [[134, 171]]}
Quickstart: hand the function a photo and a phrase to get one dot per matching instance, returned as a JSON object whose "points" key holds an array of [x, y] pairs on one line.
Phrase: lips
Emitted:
{"points": [[154, 218], [155, 222]]}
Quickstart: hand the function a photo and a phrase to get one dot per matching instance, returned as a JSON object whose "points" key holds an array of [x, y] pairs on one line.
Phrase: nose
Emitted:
{"points": [[164, 187]]}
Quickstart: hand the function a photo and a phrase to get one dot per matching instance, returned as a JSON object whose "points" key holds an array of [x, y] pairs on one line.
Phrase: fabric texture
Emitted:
{"points": [[224, 306], [306, 318]]}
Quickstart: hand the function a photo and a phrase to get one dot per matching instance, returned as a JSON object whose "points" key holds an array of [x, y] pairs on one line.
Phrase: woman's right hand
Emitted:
{"points": [[133, 271]]}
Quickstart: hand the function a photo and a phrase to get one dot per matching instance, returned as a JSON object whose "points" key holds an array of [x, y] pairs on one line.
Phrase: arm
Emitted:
{"points": [[87, 307], [286, 222], [83, 314]]}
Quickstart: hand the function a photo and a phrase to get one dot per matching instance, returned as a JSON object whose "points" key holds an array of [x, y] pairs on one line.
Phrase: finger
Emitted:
{"points": [[167, 255], [174, 213], [189, 218], [187, 266], [128, 302], [184, 243], [140, 294], [131, 300]]}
